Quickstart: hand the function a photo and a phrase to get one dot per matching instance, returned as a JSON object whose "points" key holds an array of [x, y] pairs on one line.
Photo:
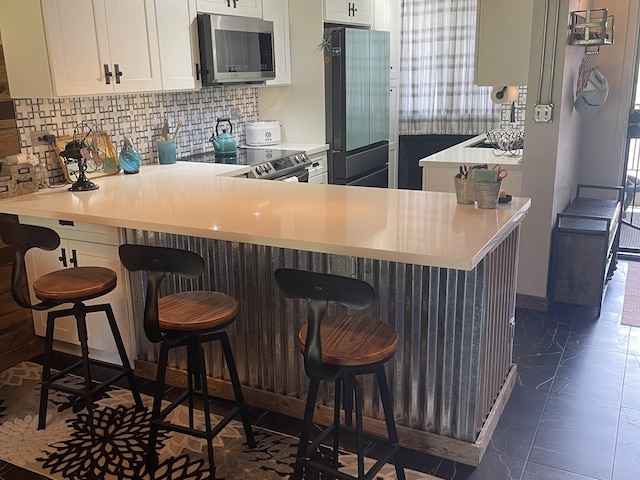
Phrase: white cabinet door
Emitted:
{"points": [[243, 8], [393, 168], [393, 114], [40, 262], [133, 42], [103, 46], [176, 22], [76, 30], [277, 11], [353, 11], [395, 27], [502, 44]]}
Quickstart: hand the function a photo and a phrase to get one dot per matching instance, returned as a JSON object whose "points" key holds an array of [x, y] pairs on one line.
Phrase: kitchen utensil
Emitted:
{"points": [[224, 143], [175, 134], [165, 130], [502, 172]]}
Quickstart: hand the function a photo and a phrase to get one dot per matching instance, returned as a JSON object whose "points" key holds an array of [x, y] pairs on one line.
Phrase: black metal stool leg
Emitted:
{"points": [[359, 440], [337, 401], [237, 389], [387, 406], [46, 371], [201, 373], [115, 331], [81, 323], [152, 456], [307, 425], [191, 377]]}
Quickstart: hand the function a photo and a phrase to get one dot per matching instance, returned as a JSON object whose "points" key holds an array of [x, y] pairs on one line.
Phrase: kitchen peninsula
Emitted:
{"points": [[438, 169], [445, 275]]}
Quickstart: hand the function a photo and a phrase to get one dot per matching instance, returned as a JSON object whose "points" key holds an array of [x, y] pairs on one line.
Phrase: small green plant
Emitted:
{"points": [[325, 45]]}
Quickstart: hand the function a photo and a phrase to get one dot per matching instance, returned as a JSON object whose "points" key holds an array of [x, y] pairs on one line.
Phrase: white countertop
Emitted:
{"points": [[462, 154], [425, 228]]}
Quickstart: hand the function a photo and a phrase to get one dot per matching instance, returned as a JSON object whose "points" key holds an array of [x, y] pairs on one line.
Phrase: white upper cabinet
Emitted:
{"points": [[76, 47], [178, 42], [386, 17], [277, 11], [243, 8], [358, 12], [116, 46], [503, 38]]}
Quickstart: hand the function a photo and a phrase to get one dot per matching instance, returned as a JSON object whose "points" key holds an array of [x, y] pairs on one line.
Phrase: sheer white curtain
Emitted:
{"points": [[437, 94]]}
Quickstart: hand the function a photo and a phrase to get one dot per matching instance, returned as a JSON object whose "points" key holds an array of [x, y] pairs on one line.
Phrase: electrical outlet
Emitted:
{"points": [[38, 138], [542, 113], [343, 265]]}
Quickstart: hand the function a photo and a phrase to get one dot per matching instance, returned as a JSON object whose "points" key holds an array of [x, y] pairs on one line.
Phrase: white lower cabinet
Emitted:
{"points": [[85, 253]]}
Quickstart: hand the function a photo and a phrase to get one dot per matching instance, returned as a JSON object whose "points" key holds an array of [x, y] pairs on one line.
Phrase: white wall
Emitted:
{"points": [[300, 106], [551, 151], [573, 148], [604, 133]]}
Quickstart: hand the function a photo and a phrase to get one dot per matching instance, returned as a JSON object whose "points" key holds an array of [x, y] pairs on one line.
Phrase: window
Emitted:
{"points": [[437, 94]]}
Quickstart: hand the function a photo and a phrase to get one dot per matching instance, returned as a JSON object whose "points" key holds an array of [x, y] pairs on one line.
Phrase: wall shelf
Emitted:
{"points": [[591, 28]]}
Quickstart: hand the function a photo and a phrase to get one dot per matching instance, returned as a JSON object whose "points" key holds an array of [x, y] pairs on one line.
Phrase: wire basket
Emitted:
{"points": [[506, 141]]}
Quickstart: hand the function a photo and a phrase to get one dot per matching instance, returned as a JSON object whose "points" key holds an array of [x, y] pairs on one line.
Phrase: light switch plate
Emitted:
{"points": [[542, 113]]}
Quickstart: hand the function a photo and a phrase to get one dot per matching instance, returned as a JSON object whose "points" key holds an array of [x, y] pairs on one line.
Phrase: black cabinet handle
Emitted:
{"points": [[74, 258], [118, 72], [107, 74], [197, 71], [63, 257], [229, 3]]}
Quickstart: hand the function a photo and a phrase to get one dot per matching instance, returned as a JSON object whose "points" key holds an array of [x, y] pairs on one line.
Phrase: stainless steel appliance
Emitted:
{"points": [[264, 163], [357, 106], [235, 49]]}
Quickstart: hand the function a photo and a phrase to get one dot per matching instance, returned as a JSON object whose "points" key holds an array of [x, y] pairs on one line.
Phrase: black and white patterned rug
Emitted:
{"points": [[65, 450]]}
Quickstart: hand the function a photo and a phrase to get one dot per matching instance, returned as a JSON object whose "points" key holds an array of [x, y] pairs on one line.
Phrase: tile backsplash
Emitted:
{"points": [[520, 108], [139, 116]]}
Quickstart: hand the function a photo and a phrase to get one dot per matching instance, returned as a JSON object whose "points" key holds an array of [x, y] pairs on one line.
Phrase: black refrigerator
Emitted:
{"points": [[357, 106]]}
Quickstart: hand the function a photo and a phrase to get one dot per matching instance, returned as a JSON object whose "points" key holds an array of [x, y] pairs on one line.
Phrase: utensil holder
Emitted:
{"points": [[465, 192], [166, 151], [487, 193]]}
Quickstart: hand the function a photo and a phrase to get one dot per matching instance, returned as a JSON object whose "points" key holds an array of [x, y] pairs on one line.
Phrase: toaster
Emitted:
{"points": [[263, 133]]}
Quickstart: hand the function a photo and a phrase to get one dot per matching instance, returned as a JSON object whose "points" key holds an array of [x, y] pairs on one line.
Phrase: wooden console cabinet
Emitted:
{"points": [[585, 246]]}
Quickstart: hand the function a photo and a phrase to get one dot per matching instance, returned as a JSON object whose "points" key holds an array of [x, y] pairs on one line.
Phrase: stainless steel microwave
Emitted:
{"points": [[235, 49]]}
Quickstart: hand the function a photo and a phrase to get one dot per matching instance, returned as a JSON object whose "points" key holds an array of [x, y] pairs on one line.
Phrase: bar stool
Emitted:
{"points": [[337, 348], [68, 285], [185, 319]]}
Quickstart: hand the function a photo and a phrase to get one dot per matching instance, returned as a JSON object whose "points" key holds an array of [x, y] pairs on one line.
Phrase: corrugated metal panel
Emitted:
{"points": [[455, 348]]}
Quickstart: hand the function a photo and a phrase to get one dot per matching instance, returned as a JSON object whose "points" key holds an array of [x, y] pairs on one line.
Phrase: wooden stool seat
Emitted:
{"points": [[75, 284], [354, 340], [196, 311]]}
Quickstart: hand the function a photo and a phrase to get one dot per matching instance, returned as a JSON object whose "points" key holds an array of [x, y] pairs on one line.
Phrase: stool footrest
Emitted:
{"points": [[195, 432]]}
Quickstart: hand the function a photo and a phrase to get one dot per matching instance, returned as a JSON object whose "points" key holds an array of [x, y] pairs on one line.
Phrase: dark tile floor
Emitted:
{"points": [[574, 415]]}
